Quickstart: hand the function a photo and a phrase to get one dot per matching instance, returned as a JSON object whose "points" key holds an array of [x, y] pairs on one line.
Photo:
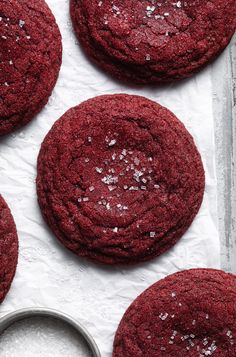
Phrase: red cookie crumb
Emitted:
{"points": [[8, 249], [30, 59], [119, 179], [153, 41], [191, 313]]}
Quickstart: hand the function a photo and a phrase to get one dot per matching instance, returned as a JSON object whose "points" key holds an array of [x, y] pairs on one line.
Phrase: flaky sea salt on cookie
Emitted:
{"points": [[30, 59], [191, 313], [154, 40], [120, 179]]}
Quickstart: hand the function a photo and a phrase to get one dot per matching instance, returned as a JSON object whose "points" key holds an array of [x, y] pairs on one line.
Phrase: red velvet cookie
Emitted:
{"points": [[191, 313], [119, 179], [30, 59], [145, 41], [8, 249]]}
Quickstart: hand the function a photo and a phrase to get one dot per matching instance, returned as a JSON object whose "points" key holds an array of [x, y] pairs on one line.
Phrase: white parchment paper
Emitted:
{"points": [[47, 274]]}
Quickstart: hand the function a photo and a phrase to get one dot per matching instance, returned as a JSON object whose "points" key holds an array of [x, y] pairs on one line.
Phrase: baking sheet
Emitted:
{"points": [[50, 276]]}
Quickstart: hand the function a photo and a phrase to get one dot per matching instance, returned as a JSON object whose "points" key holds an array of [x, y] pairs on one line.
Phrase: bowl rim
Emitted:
{"points": [[9, 319]]}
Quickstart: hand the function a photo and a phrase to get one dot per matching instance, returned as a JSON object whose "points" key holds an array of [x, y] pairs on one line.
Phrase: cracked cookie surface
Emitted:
{"points": [[30, 59], [191, 313], [153, 41], [119, 179], [8, 249]]}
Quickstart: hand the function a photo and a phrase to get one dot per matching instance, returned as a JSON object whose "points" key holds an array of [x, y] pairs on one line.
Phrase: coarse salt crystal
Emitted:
{"points": [[99, 170], [163, 316], [21, 23], [112, 142], [109, 179]]}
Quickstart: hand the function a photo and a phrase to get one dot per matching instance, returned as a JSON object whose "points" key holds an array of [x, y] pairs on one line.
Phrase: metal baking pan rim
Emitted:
{"points": [[9, 319]]}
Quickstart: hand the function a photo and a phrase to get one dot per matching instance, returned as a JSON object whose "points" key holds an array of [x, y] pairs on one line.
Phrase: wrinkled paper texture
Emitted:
{"points": [[50, 276]]}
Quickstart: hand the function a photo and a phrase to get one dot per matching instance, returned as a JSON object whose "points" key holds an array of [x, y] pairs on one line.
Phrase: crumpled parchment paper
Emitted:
{"points": [[47, 274]]}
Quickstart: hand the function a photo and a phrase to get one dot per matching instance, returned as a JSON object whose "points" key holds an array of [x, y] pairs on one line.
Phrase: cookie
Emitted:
{"points": [[191, 313], [119, 179], [30, 59], [153, 41], [8, 249]]}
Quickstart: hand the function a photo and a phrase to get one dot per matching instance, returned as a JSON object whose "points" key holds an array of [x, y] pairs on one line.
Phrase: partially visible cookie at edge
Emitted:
{"points": [[153, 41], [190, 313], [8, 248], [30, 51]]}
